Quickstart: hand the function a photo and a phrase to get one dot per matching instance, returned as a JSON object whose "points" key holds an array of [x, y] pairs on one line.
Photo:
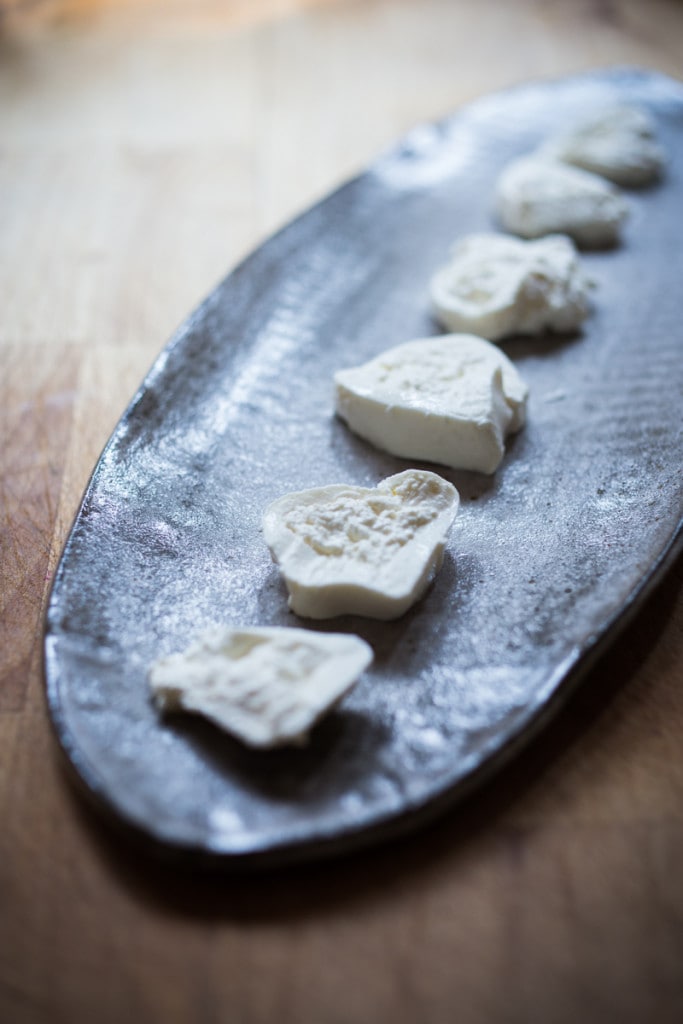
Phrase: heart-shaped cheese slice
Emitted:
{"points": [[266, 686], [450, 399], [358, 550], [496, 285]]}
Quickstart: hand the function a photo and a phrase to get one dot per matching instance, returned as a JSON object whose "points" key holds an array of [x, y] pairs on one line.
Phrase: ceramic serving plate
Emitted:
{"points": [[544, 563]]}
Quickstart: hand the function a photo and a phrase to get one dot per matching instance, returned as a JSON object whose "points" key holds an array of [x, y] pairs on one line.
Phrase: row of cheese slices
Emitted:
{"points": [[451, 400]]}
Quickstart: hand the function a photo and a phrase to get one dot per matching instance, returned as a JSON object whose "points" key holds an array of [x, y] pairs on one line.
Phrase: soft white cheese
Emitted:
{"points": [[617, 143], [496, 286], [538, 196], [450, 399], [265, 686], [358, 550]]}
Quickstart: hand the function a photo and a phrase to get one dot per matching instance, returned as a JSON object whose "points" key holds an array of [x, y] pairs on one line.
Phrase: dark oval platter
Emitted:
{"points": [[544, 563]]}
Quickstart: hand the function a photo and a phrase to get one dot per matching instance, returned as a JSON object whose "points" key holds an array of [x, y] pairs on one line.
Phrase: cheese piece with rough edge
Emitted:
{"points": [[450, 399], [496, 286], [357, 550], [537, 196], [267, 686], [618, 142]]}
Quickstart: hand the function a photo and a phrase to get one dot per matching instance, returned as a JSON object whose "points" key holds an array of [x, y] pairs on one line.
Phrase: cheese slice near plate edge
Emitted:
{"points": [[267, 686]]}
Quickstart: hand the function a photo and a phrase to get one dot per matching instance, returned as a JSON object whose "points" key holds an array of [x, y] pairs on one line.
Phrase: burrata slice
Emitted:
{"points": [[372, 551], [617, 142], [266, 686], [538, 196], [451, 399], [496, 286]]}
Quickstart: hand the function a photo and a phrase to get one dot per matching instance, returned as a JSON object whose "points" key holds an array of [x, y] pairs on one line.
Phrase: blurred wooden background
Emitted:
{"points": [[145, 147], [232, 12]]}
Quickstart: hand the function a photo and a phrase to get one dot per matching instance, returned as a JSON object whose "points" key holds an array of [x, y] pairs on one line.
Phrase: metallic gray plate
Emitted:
{"points": [[543, 562]]}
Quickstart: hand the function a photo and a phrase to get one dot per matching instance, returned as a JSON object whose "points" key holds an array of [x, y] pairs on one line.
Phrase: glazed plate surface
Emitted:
{"points": [[545, 561]]}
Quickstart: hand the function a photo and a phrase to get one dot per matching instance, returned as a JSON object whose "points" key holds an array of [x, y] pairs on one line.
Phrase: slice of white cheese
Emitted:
{"points": [[538, 196], [617, 142], [496, 286], [450, 399], [265, 686], [358, 550]]}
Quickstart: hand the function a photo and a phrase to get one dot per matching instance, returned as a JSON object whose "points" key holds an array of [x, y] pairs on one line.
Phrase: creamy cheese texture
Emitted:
{"points": [[538, 196], [496, 285], [356, 550], [451, 399], [618, 143], [266, 686]]}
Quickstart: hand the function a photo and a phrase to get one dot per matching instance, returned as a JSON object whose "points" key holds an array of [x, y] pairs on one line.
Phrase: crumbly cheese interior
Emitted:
{"points": [[367, 528], [495, 286], [357, 550], [266, 686]]}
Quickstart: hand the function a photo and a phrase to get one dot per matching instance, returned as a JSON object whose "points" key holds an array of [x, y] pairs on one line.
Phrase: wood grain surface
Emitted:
{"points": [[143, 150]]}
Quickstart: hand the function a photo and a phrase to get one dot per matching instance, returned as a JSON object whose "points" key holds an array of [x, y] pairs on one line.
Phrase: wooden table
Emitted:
{"points": [[143, 149]]}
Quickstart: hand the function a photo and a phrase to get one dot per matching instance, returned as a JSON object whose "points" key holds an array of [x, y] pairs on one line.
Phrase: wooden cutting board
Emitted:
{"points": [[144, 150]]}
